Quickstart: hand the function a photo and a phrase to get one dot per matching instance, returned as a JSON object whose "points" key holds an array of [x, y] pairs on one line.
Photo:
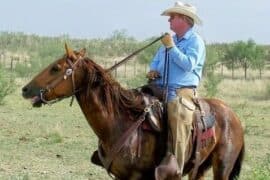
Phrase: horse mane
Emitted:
{"points": [[115, 98]]}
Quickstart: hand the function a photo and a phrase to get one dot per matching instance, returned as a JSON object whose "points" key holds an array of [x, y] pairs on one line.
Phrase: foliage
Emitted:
{"points": [[213, 56], [146, 56], [7, 84], [23, 70], [134, 82], [211, 84], [43, 50], [245, 54]]}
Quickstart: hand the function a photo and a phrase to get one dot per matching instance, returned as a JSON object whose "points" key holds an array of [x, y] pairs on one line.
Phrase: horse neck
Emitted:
{"points": [[103, 124], [106, 124]]}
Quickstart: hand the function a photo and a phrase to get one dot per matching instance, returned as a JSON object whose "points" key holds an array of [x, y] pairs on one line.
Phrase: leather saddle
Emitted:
{"points": [[203, 117]]}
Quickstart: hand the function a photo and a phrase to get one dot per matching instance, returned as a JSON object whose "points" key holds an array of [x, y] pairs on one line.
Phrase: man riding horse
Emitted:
{"points": [[122, 118], [185, 53]]}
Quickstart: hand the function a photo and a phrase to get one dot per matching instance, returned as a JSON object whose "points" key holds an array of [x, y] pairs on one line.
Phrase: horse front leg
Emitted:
{"points": [[135, 175], [203, 168], [199, 176]]}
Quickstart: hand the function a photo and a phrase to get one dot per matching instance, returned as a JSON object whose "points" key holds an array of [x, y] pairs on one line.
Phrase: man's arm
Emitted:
{"points": [[188, 60]]}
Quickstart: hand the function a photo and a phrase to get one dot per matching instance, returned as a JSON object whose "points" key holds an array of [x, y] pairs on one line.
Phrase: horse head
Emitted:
{"points": [[59, 80]]}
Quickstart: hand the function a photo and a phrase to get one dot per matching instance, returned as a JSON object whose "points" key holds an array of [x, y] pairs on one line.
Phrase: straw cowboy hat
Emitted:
{"points": [[185, 9]]}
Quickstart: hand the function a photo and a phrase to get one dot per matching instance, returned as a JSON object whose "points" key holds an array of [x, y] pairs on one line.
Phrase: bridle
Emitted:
{"points": [[68, 73]]}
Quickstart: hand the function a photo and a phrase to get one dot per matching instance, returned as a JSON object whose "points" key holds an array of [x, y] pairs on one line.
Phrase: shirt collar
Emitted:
{"points": [[186, 36]]}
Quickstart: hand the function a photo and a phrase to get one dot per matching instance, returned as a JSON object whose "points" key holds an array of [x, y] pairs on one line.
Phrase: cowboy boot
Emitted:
{"points": [[168, 169]]}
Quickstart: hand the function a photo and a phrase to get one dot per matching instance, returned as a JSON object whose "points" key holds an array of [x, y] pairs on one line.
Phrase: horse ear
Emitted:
{"points": [[69, 52], [82, 52]]}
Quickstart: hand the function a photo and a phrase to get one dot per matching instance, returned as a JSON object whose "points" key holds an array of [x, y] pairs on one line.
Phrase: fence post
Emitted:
{"points": [[115, 71], [245, 65], [11, 63]]}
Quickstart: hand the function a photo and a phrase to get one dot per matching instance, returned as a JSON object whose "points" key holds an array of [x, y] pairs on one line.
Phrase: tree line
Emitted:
{"points": [[23, 55], [43, 50]]}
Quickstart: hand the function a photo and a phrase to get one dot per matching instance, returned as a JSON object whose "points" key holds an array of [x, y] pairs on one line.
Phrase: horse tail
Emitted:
{"points": [[237, 165]]}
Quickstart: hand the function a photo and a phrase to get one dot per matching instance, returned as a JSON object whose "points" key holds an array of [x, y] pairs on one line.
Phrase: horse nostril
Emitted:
{"points": [[24, 91]]}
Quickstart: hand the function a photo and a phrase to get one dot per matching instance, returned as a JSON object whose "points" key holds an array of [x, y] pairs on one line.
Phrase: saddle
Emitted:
{"points": [[203, 118]]}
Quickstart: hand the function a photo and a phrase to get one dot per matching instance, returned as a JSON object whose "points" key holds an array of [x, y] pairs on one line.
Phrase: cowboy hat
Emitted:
{"points": [[185, 9]]}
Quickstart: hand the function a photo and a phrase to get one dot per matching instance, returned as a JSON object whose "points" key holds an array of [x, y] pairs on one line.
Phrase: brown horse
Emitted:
{"points": [[112, 111]]}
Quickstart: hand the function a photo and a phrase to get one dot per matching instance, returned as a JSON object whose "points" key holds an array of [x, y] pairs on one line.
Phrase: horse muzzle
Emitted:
{"points": [[34, 94]]}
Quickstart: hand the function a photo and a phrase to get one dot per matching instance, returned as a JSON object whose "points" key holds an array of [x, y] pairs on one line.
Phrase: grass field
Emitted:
{"points": [[55, 142]]}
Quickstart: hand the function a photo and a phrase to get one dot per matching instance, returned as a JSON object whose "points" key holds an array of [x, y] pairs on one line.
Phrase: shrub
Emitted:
{"points": [[211, 84], [7, 84], [22, 70]]}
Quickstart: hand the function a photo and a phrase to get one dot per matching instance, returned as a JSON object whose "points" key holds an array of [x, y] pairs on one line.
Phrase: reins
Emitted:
{"points": [[70, 72], [133, 54]]}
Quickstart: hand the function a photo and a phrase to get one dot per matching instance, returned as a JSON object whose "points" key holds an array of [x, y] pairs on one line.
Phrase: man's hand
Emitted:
{"points": [[152, 75], [167, 40]]}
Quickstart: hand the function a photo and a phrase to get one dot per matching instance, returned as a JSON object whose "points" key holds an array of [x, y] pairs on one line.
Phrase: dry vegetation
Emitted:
{"points": [[55, 142]]}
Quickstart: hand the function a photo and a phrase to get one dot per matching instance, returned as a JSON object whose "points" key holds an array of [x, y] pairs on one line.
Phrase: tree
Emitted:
{"points": [[245, 55]]}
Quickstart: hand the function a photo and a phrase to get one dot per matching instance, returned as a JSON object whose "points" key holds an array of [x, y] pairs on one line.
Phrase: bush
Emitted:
{"points": [[22, 70], [211, 84], [7, 84], [134, 82]]}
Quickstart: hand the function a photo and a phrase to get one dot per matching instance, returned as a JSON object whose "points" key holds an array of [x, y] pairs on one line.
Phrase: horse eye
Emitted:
{"points": [[56, 68]]}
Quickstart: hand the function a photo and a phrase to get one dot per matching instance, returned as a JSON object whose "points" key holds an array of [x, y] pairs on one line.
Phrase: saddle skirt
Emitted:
{"points": [[203, 123], [203, 118]]}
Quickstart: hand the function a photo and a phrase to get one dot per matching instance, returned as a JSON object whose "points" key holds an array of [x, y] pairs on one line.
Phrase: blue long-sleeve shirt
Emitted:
{"points": [[186, 61]]}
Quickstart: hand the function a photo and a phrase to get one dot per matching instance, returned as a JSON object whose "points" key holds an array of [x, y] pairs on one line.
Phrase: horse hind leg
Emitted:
{"points": [[227, 164], [237, 165]]}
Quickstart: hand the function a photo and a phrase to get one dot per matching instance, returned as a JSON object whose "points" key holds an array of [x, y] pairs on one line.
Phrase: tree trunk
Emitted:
{"points": [[245, 66], [11, 63], [232, 70], [221, 69]]}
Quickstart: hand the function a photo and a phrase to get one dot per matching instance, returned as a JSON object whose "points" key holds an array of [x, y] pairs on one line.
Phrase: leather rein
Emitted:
{"points": [[72, 68]]}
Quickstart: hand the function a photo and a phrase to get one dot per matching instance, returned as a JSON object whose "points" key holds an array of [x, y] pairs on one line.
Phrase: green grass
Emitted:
{"points": [[55, 142]]}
